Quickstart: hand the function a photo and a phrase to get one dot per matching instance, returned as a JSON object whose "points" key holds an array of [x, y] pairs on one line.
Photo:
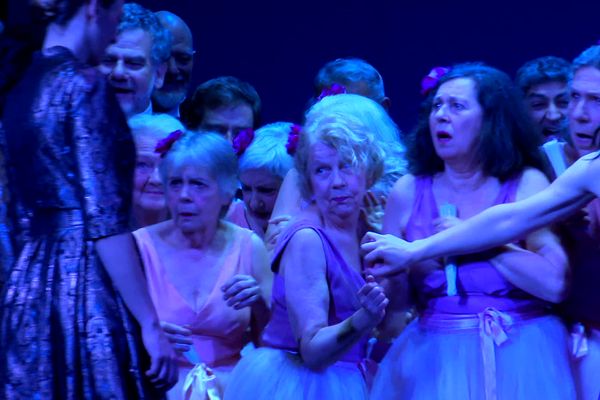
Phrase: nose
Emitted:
{"points": [[579, 111], [338, 179], [118, 72], [184, 193], [172, 66], [154, 177], [441, 112], [256, 202], [554, 113]]}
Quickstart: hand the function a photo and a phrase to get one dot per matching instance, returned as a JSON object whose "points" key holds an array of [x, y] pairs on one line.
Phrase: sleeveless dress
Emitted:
{"points": [[218, 331], [65, 332], [277, 371], [490, 341]]}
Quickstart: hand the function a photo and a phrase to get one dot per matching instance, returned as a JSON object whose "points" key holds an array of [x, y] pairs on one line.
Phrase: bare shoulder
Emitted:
{"points": [[399, 205], [532, 181], [304, 250]]}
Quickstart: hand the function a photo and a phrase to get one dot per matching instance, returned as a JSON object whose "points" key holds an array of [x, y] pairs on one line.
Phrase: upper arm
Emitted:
{"points": [[303, 266], [399, 206], [288, 198], [260, 268], [543, 240], [105, 155]]}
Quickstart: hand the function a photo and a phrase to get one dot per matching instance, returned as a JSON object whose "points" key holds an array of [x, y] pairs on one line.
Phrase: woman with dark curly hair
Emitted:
{"points": [[484, 330]]}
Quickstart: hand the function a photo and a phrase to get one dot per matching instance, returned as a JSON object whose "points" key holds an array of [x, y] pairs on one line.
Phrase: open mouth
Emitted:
{"points": [[443, 136], [584, 136]]}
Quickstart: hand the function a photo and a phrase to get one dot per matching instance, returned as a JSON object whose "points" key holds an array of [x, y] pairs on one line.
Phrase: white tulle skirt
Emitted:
{"points": [[270, 374], [427, 363]]}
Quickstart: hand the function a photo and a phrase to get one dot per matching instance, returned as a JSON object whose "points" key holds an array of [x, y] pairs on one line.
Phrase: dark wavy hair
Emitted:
{"points": [[218, 92], [507, 142], [542, 70]]}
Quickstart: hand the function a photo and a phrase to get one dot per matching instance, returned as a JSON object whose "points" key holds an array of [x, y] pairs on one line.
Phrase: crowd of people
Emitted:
{"points": [[162, 242]]}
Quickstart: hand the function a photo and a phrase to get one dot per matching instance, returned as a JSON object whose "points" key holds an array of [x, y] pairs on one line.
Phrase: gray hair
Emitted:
{"points": [[204, 150], [346, 70], [137, 17], [156, 125], [375, 120], [590, 57], [268, 150], [345, 123]]}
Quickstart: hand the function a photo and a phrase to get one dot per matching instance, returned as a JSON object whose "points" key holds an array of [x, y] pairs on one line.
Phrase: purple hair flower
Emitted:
{"points": [[293, 137], [432, 78], [242, 140], [164, 145], [332, 90]]}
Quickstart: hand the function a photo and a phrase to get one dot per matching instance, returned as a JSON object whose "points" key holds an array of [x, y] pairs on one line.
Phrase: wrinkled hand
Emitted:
{"points": [[373, 302], [373, 209], [163, 367], [386, 254], [241, 291], [443, 223], [276, 226], [178, 336]]}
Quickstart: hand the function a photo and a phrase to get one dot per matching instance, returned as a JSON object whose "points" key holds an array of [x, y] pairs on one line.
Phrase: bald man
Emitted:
{"points": [[179, 72]]}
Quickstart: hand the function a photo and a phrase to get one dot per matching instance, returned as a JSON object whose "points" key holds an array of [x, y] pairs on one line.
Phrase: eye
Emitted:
{"points": [[135, 64], [458, 106], [322, 170], [175, 183], [436, 105], [109, 61], [596, 99], [562, 103], [182, 59], [197, 184], [537, 105], [575, 95], [265, 190], [143, 165]]}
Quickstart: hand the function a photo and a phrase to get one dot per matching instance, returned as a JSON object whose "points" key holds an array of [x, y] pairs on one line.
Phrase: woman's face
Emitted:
{"points": [[455, 119], [148, 192], [259, 190], [194, 198], [338, 188]]}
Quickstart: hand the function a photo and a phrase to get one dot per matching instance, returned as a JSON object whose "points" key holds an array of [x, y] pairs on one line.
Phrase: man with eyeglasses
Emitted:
{"points": [[168, 98]]}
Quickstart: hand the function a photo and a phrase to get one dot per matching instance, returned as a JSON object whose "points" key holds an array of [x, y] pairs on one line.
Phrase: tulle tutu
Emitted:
{"points": [[270, 374], [425, 363]]}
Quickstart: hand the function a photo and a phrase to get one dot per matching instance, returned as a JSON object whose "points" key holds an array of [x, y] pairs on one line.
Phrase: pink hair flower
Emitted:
{"points": [[293, 137], [332, 90], [432, 78], [164, 145], [242, 140]]}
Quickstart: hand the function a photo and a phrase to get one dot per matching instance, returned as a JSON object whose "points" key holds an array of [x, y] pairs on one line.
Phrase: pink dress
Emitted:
{"points": [[236, 214], [490, 341], [218, 330]]}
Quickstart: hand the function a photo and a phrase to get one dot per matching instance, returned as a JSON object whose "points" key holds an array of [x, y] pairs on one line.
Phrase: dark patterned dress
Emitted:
{"points": [[64, 330]]}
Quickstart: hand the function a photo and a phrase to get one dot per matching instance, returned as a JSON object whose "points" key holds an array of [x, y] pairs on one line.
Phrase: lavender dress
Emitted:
{"points": [[490, 341], [276, 371]]}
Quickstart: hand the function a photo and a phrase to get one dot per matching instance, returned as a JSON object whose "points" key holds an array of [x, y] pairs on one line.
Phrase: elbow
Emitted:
{"points": [[558, 291], [314, 361]]}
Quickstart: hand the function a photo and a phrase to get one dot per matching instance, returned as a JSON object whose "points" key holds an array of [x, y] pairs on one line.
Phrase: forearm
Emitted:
{"points": [[493, 227], [330, 343], [120, 259], [260, 317], [544, 277]]}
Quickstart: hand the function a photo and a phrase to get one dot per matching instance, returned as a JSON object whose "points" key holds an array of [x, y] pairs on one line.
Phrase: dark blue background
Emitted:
{"points": [[278, 46]]}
